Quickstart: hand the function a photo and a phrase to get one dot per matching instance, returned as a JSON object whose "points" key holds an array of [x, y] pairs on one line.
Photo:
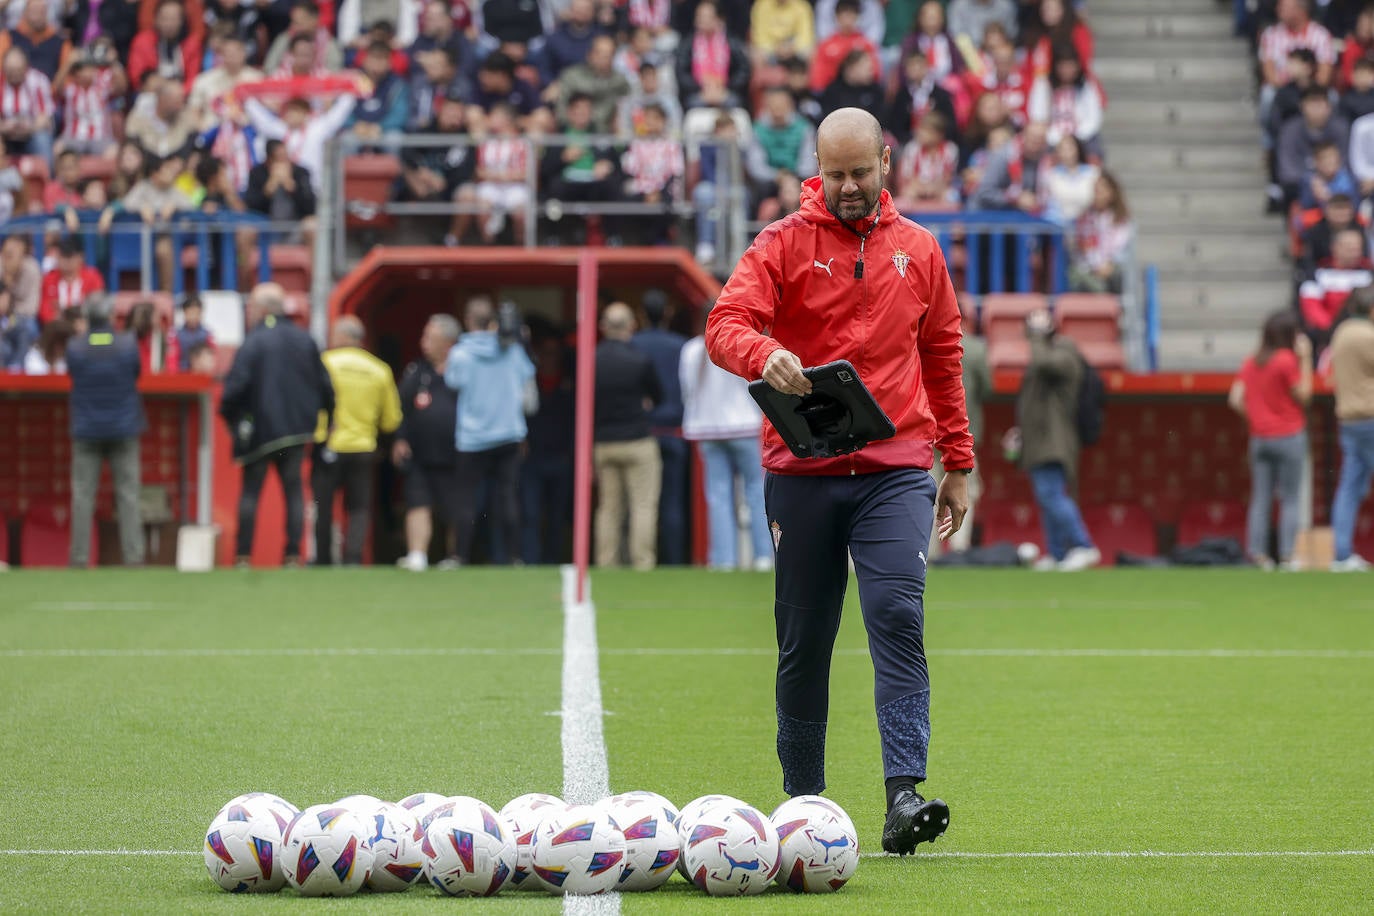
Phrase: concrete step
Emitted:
{"points": [[1226, 206], [1217, 350], [1178, 254], [1108, 7], [1238, 90], [1194, 303], [1184, 112], [1227, 49], [1138, 179], [1174, 161], [1168, 66], [1150, 22], [1118, 132]]}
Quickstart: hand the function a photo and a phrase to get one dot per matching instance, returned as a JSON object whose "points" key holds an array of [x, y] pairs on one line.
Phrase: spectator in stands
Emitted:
{"points": [[712, 66], [1013, 178], [1322, 298], [787, 139], [169, 127], [192, 332], [304, 133], [305, 20], [969, 18], [570, 43], [424, 448], [61, 189], [1287, 104], [233, 141], [833, 54], [157, 351], [18, 333], [498, 82], [1070, 101], [797, 81], [131, 163], [301, 61], [26, 108], [757, 177], [508, 23], [493, 376], [438, 173], [856, 87], [1294, 29], [501, 190], [580, 170], [1046, 409], [20, 274], [1004, 77], [1352, 378], [88, 90], [1055, 25], [597, 79], [1359, 45], [71, 282], [1358, 100], [1361, 153], [437, 33], [918, 94], [47, 48], [1102, 240], [546, 478], [927, 169], [156, 199], [359, 21], [872, 22], [781, 30], [106, 422], [381, 118], [272, 399], [168, 49], [626, 457], [210, 89], [280, 190], [663, 346], [989, 113], [630, 120], [654, 167], [48, 355], [1338, 214], [1272, 392], [720, 416], [1328, 176], [366, 406], [931, 42], [786, 200], [90, 24], [1070, 183], [437, 80]]}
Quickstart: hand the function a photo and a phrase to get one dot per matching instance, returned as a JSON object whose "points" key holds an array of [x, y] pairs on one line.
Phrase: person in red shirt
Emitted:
{"points": [[830, 54], [63, 188], [70, 282], [1272, 392], [847, 277], [1322, 297], [169, 48]]}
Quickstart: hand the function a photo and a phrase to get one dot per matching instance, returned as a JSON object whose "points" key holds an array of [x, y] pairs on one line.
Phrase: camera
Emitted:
{"points": [[510, 326]]}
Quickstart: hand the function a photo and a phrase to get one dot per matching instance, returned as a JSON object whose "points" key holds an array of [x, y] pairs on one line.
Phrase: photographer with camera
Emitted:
{"points": [[493, 376]]}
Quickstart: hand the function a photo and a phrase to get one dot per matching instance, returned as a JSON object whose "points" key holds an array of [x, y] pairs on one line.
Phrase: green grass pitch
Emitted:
{"points": [[1072, 715]]}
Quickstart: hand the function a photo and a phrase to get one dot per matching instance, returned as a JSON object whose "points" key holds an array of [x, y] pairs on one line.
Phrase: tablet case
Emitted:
{"points": [[838, 417]]}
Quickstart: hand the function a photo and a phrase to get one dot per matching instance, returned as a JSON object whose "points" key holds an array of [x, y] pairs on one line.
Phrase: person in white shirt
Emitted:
{"points": [[720, 415], [303, 133]]}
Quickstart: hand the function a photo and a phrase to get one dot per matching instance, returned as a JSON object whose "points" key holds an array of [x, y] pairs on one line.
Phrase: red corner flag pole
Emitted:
{"points": [[582, 442]]}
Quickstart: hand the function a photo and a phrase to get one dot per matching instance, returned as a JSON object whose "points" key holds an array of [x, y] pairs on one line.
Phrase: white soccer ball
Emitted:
{"points": [[523, 814], [243, 843], [1027, 552], [360, 805], [731, 850], [668, 807], [326, 852], [578, 850], [818, 844], [421, 800], [651, 840], [688, 817], [470, 849], [397, 860]]}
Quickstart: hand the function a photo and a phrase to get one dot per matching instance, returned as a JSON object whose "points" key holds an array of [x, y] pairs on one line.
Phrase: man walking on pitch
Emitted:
{"points": [[846, 277]]}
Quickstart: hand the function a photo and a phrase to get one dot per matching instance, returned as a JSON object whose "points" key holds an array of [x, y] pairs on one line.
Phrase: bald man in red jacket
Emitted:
{"points": [[847, 277]]}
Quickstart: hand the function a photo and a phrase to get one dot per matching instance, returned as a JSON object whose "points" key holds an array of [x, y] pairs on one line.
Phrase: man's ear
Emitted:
{"points": [[887, 160]]}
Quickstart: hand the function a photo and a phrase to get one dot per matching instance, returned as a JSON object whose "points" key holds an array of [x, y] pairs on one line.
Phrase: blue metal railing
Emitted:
{"points": [[1152, 315], [1027, 235]]}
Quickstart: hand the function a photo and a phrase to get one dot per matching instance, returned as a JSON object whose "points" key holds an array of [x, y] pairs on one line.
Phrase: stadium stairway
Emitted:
{"points": [[1181, 134]]}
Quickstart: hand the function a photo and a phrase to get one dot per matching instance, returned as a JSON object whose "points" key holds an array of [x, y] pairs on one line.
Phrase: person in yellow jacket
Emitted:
{"points": [[366, 405]]}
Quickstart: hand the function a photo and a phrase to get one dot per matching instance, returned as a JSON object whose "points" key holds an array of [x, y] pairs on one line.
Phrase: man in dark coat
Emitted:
{"points": [[273, 396]]}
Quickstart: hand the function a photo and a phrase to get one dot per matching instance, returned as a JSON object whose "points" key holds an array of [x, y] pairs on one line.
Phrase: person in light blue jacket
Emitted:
{"points": [[494, 378]]}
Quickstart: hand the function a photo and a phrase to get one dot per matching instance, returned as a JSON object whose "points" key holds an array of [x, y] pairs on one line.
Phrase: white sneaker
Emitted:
{"points": [[413, 562], [1080, 558], [763, 564], [706, 252], [1046, 563], [447, 563], [1291, 566], [1352, 563]]}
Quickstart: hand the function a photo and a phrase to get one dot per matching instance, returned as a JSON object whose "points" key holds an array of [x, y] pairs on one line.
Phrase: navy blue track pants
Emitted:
{"points": [[883, 520]]}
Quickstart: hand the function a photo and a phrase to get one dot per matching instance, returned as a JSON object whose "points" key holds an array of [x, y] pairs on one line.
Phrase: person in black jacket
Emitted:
{"points": [[276, 388], [856, 87], [698, 53], [546, 475], [278, 188], [106, 421], [424, 448], [628, 467]]}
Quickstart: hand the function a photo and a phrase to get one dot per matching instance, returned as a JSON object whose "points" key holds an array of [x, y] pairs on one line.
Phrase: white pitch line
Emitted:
{"points": [[586, 773], [723, 651], [1139, 854]]}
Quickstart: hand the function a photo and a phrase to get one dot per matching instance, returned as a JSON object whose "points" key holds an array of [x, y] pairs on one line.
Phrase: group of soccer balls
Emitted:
{"points": [[465, 848]]}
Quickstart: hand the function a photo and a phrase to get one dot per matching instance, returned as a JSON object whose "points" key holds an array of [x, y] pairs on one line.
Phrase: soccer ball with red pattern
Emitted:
{"points": [[524, 814], [397, 861], [731, 850], [651, 840], [578, 850], [243, 843], [818, 843], [470, 849], [327, 852]]}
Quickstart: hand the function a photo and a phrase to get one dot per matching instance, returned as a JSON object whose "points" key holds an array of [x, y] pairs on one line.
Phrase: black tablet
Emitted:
{"points": [[838, 417]]}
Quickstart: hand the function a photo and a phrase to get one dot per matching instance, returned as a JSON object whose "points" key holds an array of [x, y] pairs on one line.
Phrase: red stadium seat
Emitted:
{"points": [[1009, 355], [124, 301], [369, 180], [97, 167], [1103, 355], [1118, 527], [46, 535], [1211, 519], [35, 173], [1089, 317], [1004, 315], [1009, 522], [291, 266]]}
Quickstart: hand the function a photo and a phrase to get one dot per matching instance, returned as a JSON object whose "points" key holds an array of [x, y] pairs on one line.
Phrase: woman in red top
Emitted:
{"points": [[1272, 392]]}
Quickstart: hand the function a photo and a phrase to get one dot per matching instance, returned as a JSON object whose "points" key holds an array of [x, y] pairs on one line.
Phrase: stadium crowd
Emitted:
{"points": [[140, 110]]}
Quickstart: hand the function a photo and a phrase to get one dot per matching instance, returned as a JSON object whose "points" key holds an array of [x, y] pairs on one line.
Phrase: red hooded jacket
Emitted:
{"points": [[899, 325]]}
